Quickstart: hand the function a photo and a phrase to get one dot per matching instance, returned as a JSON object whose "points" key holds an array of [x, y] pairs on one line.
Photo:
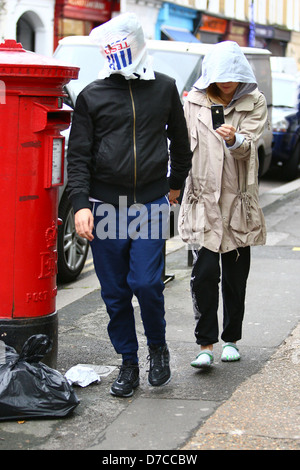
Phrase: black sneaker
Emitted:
{"points": [[159, 373], [127, 381]]}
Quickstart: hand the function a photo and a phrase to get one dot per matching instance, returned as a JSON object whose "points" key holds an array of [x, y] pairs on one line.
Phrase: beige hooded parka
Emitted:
{"points": [[220, 208]]}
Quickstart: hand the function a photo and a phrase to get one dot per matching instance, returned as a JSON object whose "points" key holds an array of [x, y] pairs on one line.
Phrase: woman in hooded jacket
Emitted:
{"points": [[220, 217]]}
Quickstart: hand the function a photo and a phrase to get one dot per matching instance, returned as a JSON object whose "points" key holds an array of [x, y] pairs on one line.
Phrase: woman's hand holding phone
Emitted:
{"points": [[227, 132]]}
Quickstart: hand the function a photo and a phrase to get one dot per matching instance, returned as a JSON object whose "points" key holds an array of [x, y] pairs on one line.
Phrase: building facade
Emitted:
{"points": [[271, 24], [79, 17], [30, 22]]}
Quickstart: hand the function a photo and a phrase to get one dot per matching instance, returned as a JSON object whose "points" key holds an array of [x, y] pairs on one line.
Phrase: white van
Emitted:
{"points": [[183, 62], [180, 60]]}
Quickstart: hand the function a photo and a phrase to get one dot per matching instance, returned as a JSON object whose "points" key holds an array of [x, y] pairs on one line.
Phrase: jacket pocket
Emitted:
{"points": [[192, 219], [246, 215], [104, 153], [111, 163]]}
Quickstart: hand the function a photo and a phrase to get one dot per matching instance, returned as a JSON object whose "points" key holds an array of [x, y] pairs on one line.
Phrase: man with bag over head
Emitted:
{"points": [[118, 185], [220, 213]]}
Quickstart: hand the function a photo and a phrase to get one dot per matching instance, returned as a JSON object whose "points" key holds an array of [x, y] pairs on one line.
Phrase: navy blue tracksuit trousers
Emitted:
{"points": [[128, 258]]}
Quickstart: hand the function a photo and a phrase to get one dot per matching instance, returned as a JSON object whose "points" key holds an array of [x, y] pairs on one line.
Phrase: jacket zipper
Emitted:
{"points": [[134, 142]]}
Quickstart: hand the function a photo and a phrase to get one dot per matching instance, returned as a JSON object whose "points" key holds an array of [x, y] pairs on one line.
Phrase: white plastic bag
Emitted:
{"points": [[81, 376], [122, 43]]}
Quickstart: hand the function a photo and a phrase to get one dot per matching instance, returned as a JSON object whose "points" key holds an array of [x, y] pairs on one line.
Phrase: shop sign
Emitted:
{"points": [[213, 24], [264, 31], [238, 29], [238, 32], [86, 7], [96, 5], [282, 35]]}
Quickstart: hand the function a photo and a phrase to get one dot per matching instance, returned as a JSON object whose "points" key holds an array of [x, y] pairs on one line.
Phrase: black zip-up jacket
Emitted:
{"points": [[118, 141]]}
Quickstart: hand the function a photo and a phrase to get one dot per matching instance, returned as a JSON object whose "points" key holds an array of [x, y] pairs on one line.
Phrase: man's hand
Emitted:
{"points": [[84, 224], [173, 196]]}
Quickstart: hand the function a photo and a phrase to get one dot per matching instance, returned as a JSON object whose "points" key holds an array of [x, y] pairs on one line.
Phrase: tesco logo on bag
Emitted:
{"points": [[115, 47], [118, 54]]}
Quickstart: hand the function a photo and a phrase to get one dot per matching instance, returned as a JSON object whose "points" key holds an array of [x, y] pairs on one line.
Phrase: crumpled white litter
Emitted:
{"points": [[82, 376]]}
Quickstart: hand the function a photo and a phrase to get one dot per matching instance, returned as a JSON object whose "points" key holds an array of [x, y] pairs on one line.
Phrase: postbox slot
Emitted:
{"points": [[45, 117], [58, 117]]}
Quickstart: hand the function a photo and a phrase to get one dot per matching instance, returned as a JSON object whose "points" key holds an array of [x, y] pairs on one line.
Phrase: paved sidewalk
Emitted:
{"points": [[251, 404], [263, 413]]}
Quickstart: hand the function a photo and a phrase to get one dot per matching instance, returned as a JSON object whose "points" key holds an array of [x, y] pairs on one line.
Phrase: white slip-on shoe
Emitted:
{"points": [[204, 359], [230, 353]]}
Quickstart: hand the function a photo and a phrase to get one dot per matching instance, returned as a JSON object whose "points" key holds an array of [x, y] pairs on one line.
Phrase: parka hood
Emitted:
{"points": [[226, 62]]}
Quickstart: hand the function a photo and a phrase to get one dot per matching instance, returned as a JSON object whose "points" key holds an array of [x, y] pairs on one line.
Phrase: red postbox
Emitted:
{"points": [[32, 114]]}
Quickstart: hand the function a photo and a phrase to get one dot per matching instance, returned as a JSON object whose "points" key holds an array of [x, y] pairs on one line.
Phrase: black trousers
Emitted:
{"points": [[205, 279]]}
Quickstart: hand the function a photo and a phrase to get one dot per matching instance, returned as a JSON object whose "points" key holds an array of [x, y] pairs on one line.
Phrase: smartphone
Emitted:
{"points": [[217, 114]]}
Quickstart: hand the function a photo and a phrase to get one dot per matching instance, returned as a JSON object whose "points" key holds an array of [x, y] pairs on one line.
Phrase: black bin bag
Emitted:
{"points": [[29, 388]]}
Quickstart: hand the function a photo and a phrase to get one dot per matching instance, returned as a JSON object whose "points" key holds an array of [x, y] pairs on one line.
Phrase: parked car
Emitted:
{"points": [[286, 118], [182, 61], [71, 248]]}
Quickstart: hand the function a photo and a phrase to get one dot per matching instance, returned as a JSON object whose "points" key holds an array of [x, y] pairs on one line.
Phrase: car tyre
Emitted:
{"points": [[72, 249]]}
